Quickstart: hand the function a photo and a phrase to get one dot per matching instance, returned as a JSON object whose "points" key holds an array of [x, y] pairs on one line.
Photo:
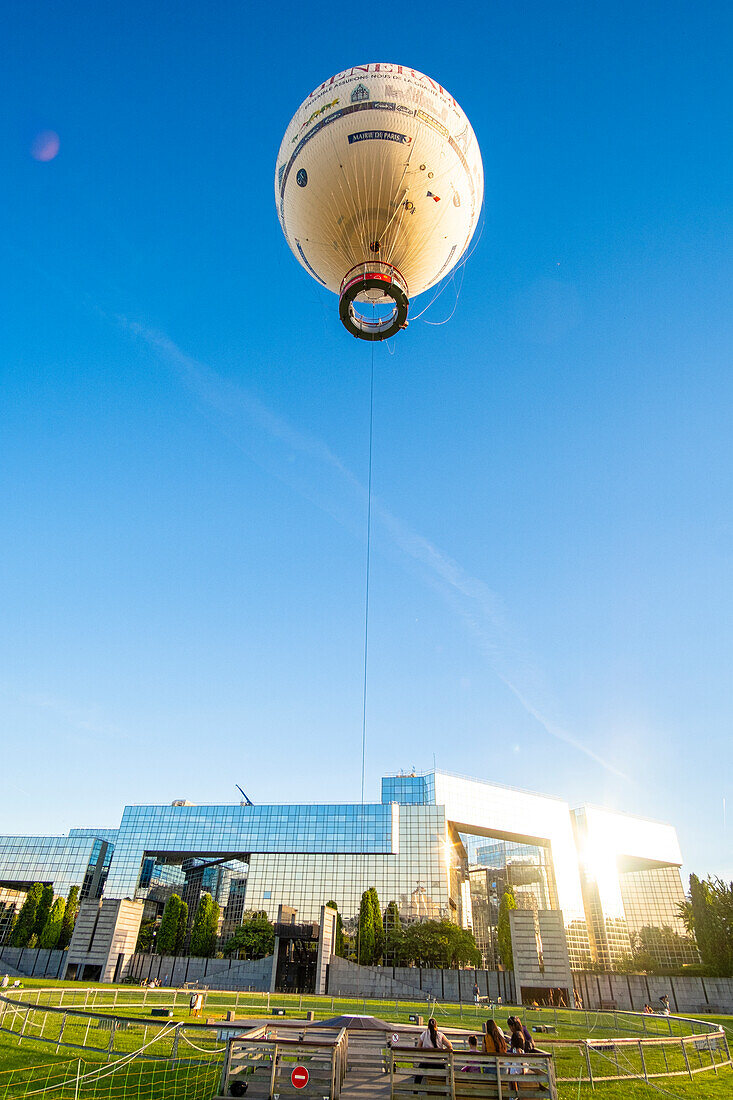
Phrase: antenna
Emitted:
{"points": [[247, 802]]}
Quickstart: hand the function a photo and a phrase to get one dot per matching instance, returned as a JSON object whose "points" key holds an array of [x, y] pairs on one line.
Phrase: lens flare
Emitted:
{"points": [[45, 145]]}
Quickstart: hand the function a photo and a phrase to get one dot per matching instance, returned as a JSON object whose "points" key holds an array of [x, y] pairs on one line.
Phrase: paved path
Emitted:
{"points": [[365, 1084]]}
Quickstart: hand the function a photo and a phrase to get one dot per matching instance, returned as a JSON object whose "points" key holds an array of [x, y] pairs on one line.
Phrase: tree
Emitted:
{"points": [[393, 935], [70, 914], [145, 935], [710, 911], [26, 922], [365, 931], [339, 945], [503, 928], [51, 933], [165, 943], [205, 927], [379, 938], [254, 939], [439, 944], [182, 928], [43, 910]]}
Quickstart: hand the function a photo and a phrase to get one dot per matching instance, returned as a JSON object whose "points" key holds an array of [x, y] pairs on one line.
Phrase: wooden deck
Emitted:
{"points": [[365, 1084]]}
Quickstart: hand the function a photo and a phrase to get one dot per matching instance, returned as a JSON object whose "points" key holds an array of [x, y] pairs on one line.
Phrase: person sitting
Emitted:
{"points": [[516, 1046], [494, 1040], [528, 1040], [517, 1040], [432, 1039], [472, 1049]]}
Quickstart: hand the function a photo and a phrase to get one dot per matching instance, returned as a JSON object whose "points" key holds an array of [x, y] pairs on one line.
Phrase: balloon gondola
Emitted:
{"points": [[378, 186]]}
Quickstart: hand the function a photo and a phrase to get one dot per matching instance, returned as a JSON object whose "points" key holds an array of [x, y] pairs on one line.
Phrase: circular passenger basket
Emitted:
{"points": [[380, 286]]}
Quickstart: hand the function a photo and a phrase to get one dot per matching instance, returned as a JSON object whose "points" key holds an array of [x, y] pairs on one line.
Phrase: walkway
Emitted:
{"points": [[361, 1084]]}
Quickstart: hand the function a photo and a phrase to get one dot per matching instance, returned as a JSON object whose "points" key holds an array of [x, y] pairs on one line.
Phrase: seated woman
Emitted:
{"points": [[494, 1041]]}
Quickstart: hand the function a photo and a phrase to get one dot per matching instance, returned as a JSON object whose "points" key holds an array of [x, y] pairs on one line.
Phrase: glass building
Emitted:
{"points": [[439, 845], [81, 860]]}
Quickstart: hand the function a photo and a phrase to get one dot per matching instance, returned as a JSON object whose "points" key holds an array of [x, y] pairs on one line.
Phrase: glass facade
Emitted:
{"points": [[525, 868], [631, 888], [439, 845], [59, 861], [409, 789], [236, 831], [415, 875]]}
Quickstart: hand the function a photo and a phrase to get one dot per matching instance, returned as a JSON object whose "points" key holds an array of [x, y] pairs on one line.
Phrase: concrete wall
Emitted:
{"points": [[233, 974], [687, 995], [32, 962], [346, 979], [326, 946], [530, 932], [105, 935]]}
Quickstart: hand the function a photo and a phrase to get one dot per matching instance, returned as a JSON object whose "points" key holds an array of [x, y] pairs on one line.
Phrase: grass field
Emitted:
{"points": [[23, 1064]]}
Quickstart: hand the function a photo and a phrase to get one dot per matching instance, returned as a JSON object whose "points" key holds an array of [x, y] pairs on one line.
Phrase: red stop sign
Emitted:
{"points": [[299, 1077]]}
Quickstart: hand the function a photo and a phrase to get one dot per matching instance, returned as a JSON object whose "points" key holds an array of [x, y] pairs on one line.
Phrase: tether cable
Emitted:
{"points": [[366, 582], [367, 571]]}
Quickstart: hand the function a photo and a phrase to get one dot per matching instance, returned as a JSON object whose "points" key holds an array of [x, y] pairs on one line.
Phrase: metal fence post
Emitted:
{"points": [[588, 1065], [174, 1051], [643, 1062], [61, 1033], [25, 1021], [687, 1060], [712, 1056], [111, 1040]]}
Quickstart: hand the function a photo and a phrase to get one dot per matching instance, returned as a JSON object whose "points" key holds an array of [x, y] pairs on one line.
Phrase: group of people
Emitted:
{"points": [[664, 1010], [495, 1040]]}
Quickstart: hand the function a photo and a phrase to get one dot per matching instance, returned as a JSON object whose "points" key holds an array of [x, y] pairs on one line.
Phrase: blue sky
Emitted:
{"points": [[183, 435]]}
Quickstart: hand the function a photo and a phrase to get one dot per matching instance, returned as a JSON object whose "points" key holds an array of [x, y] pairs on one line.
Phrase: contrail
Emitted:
{"points": [[474, 601]]}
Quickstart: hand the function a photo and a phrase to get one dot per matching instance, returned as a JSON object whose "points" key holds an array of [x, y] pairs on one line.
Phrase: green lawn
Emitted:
{"points": [[32, 1058], [706, 1086]]}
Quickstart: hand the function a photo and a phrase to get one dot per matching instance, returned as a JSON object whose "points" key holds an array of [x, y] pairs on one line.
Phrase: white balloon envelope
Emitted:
{"points": [[378, 185]]}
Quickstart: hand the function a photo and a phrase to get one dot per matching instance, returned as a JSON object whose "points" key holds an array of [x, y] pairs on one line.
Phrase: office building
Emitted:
{"points": [[440, 845]]}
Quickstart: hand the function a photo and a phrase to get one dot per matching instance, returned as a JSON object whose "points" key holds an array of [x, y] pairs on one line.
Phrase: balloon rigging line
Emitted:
{"points": [[459, 266], [459, 288]]}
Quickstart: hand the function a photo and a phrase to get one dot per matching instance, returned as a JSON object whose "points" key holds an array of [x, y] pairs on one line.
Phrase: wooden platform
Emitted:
{"points": [[364, 1084]]}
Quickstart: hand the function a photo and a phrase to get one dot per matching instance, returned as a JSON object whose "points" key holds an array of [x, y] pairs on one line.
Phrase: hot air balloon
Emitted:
{"points": [[378, 186]]}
